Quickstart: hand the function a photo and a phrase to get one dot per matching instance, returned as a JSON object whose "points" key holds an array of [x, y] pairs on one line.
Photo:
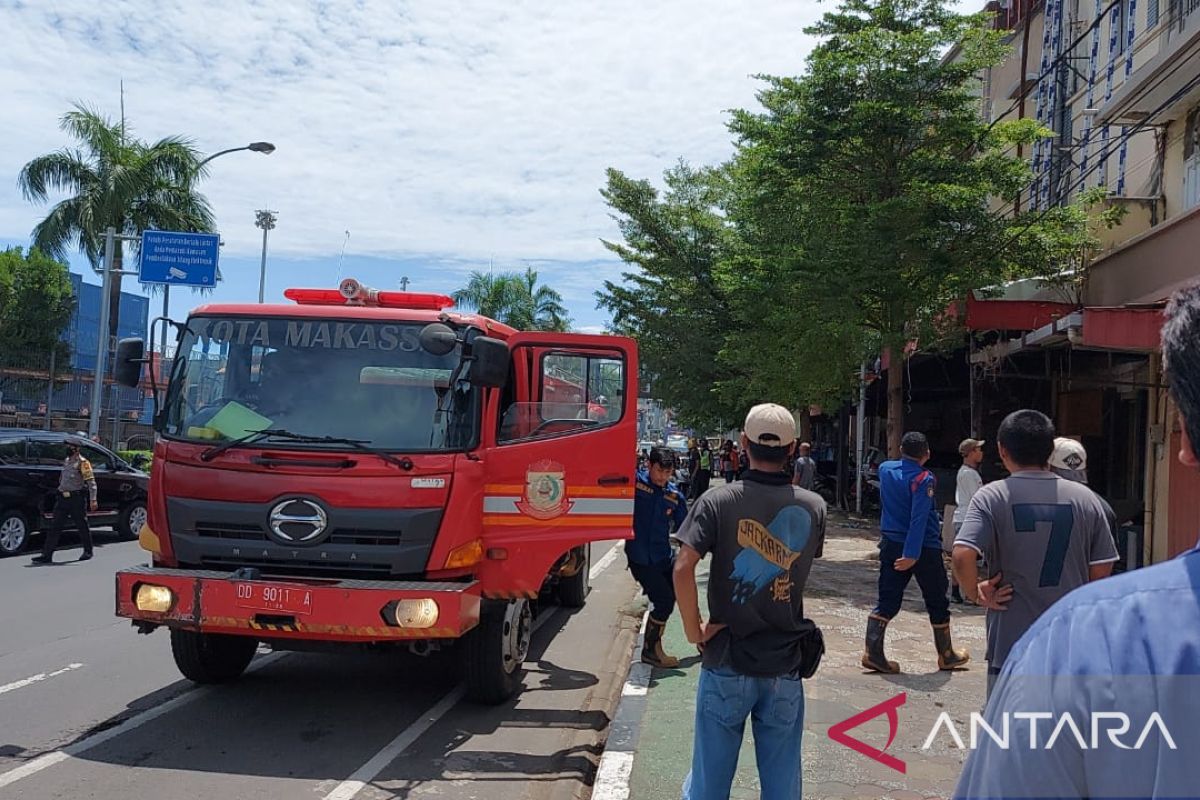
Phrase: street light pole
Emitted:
{"points": [[265, 220]]}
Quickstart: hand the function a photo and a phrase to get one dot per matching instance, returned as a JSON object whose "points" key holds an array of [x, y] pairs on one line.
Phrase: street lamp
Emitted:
{"points": [[265, 220], [266, 148]]}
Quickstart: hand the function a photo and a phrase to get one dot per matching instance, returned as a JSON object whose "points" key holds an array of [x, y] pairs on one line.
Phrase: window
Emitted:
{"points": [[575, 392], [1191, 160], [47, 453], [1120, 18], [101, 462], [1151, 13], [12, 451]]}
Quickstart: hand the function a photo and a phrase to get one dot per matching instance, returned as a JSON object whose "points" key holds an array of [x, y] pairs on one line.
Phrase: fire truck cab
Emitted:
{"points": [[373, 468]]}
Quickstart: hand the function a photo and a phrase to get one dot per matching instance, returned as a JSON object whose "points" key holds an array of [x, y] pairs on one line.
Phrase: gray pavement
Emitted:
{"points": [[88, 708]]}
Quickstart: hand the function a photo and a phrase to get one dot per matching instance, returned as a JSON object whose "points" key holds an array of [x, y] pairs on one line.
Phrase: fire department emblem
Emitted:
{"points": [[545, 491]]}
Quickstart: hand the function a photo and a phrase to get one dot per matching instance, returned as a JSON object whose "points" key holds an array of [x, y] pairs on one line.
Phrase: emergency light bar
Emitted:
{"points": [[353, 293]]}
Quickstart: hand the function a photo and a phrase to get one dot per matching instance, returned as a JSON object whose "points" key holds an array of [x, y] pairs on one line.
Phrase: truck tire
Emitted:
{"points": [[211, 657], [573, 591], [496, 650]]}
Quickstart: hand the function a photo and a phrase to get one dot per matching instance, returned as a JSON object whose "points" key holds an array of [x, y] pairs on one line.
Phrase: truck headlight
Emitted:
{"points": [[421, 613], [154, 598]]}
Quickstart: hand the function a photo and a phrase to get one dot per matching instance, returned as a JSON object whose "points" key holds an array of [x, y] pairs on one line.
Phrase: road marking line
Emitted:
{"points": [[349, 788], [41, 676], [604, 561], [70, 751], [616, 762]]}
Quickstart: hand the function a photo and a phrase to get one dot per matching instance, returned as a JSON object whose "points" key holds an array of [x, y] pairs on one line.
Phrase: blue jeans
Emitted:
{"points": [[776, 710]]}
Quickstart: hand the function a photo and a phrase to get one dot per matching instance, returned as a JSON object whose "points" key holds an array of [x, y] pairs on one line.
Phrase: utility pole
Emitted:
{"points": [[404, 284], [265, 220], [109, 275], [858, 443]]}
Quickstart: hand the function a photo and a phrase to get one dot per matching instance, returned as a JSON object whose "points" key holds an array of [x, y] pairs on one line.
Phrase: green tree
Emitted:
{"points": [[36, 303], [675, 300], [869, 178], [515, 299], [113, 180]]}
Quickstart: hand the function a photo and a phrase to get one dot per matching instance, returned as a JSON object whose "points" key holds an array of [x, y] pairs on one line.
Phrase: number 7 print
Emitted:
{"points": [[1061, 517]]}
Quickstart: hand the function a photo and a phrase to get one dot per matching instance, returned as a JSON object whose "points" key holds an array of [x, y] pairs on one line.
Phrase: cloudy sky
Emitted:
{"points": [[444, 136]]}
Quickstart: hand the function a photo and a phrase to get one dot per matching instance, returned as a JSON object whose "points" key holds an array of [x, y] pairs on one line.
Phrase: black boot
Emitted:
{"points": [[948, 657], [652, 649], [874, 658], [956, 594]]}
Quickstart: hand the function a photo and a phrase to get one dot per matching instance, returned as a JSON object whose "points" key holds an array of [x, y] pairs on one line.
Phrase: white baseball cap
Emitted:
{"points": [[770, 425], [1068, 455]]}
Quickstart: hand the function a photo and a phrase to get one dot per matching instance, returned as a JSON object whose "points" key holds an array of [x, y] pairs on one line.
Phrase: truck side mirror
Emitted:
{"points": [[438, 339], [489, 367], [131, 355]]}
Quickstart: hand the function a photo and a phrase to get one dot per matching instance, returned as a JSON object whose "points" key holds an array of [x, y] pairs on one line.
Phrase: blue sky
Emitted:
{"points": [[444, 136]]}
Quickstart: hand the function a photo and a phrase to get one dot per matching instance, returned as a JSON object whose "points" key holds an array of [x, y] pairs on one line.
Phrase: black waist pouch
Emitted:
{"points": [[770, 653]]}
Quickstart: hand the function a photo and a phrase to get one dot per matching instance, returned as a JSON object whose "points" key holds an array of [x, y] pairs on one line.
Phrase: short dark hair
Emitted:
{"points": [[766, 454], [662, 457], [1181, 357], [914, 444], [1028, 436]]}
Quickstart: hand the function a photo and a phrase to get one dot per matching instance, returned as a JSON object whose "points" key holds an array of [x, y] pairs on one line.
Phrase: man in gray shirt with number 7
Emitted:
{"points": [[1041, 536]]}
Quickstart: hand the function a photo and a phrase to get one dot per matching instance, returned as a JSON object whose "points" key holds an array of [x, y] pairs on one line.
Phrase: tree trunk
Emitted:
{"points": [[805, 424], [895, 400]]}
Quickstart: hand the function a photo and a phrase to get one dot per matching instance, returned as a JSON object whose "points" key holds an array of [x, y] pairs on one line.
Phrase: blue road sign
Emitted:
{"points": [[186, 259]]}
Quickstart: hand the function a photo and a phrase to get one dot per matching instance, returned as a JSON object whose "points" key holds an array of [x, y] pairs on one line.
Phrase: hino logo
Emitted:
{"points": [[297, 521]]}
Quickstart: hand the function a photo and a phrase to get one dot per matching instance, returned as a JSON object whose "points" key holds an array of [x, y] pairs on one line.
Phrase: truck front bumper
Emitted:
{"points": [[292, 608]]}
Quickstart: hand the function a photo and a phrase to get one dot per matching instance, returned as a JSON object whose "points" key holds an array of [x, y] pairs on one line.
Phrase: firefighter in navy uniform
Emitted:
{"points": [[658, 507]]}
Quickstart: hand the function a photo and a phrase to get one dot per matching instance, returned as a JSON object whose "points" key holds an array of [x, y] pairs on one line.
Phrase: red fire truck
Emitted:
{"points": [[372, 468]]}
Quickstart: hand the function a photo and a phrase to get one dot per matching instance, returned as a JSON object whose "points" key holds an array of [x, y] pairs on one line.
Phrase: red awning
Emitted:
{"points": [[1123, 328], [1013, 315]]}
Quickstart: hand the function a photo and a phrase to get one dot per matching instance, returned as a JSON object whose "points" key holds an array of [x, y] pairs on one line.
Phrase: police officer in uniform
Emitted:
{"points": [[76, 497], [657, 507]]}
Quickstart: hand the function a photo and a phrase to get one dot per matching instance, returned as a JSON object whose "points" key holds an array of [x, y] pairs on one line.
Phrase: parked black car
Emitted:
{"points": [[30, 464]]}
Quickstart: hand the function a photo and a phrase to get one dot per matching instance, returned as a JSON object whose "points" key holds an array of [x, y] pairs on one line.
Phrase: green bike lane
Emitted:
{"points": [[840, 593]]}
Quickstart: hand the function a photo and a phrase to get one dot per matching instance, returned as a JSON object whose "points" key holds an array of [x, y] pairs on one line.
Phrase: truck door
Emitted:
{"points": [[561, 471]]}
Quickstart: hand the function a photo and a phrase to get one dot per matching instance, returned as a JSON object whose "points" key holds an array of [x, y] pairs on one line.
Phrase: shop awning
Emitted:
{"points": [[1013, 315], [1136, 330]]}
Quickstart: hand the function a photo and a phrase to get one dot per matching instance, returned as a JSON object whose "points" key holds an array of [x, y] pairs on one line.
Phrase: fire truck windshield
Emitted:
{"points": [[363, 380]]}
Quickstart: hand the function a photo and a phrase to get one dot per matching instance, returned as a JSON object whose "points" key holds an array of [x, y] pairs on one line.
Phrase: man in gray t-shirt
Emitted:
{"points": [[805, 471], [1041, 536]]}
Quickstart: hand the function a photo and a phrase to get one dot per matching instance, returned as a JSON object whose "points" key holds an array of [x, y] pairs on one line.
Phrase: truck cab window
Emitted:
{"points": [[573, 393]]}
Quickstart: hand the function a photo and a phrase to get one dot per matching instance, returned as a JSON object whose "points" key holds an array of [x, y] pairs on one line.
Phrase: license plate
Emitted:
{"points": [[265, 597]]}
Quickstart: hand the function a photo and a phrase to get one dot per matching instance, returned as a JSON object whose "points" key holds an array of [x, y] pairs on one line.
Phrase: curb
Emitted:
{"points": [[616, 763]]}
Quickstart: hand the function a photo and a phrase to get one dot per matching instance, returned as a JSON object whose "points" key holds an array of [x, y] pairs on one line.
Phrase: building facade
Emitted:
{"points": [[1118, 82]]}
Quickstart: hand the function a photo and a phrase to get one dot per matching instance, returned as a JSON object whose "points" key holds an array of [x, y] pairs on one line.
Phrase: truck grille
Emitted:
{"points": [[256, 533], [362, 543]]}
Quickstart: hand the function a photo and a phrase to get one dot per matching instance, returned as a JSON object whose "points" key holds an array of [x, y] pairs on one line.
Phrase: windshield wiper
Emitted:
{"points": [[361, 445], [252, 436]]}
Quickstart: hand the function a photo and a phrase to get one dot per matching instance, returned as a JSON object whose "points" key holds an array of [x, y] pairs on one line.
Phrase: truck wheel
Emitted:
{"points": [[496, 650], [14, 533], [211, 657], [131, 520], [573, 591]]}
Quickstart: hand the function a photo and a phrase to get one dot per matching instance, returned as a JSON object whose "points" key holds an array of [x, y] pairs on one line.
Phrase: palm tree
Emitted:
{"points": [[113, 181], [515, 299], [543, 305], [492, 295]]}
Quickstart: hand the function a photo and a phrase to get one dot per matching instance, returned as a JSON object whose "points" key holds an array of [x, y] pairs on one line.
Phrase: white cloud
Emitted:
{"points": [[468, 130]]}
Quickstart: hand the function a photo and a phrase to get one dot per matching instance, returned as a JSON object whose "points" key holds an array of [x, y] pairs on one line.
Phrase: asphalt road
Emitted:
{"points": [[88, 708]]}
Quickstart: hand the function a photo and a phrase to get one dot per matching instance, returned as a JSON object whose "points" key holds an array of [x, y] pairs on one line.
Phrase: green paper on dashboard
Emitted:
{"points": [[235, 421]]}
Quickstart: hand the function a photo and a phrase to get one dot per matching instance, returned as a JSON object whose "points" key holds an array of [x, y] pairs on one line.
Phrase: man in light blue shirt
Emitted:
{"points": [[1122, 652]]}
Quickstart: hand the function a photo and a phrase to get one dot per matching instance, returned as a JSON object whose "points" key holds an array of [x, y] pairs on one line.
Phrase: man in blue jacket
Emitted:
{"points": [[658, 507], [911, 545]]}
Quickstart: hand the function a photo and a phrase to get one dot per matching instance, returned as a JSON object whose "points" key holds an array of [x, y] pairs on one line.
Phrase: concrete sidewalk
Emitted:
{"points": [[840, 593]]}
